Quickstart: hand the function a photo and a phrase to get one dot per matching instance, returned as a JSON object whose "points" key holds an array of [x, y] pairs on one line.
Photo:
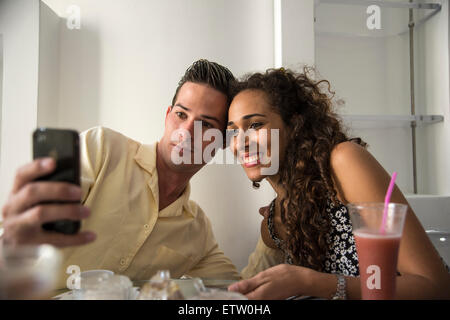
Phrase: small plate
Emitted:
{"points": [[218, 283], [69, 295]]}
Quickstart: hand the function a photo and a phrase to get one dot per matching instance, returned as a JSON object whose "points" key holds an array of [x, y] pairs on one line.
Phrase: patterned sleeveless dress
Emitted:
{"points": [[341, 257]]}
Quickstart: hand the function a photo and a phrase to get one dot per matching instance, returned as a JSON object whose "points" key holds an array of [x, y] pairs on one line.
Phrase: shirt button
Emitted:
{"points": [[122, 262], [146, 226]]}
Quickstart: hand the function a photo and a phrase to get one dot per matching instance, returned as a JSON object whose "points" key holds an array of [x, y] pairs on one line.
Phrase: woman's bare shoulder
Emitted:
{"points": [[348, 152], [357, 174]]}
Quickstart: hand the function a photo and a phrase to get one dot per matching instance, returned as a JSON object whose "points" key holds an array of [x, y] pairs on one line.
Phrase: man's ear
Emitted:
{"points": [[169, 108]]}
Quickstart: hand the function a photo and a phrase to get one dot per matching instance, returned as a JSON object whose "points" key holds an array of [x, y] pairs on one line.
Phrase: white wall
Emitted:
{"points": [[48, 83], [19, 25], [121, 68], [297, 27], [1, 88]]}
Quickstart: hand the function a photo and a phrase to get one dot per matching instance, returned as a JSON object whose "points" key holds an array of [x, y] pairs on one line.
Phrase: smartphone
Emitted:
{"points": [[64, 146]]}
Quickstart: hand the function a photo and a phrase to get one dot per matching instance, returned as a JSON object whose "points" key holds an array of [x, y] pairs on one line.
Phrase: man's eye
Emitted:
{"points": [[207, 124], [181, 115], [255, 125]]}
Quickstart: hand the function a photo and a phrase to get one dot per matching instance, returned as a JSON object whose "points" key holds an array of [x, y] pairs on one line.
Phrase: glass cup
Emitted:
{"points": [[28, 272], [103, 285], [377, 247]]}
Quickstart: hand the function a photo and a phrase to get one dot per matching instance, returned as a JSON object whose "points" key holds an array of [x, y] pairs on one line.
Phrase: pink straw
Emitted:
{"points": [[386, 202]]}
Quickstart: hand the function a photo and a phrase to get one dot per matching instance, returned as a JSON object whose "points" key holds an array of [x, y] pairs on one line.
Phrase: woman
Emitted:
{"points": [[307, 227]]}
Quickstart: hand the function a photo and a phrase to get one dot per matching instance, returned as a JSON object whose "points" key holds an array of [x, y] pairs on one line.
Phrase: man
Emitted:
{"points": [[134, 197]]}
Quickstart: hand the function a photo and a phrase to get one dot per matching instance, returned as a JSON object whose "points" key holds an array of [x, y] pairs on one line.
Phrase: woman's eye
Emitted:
{"points": [[255, 125], [232, 132]]}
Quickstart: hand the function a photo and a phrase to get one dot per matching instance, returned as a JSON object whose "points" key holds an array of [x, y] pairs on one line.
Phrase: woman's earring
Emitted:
{"points": [[256, 185]]}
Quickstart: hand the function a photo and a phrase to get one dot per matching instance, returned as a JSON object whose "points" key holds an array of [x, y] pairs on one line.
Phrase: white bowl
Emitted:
{"points": [[89, 274]]}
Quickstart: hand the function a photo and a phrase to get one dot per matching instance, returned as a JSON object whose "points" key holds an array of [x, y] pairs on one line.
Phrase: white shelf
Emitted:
{"points": [[382, 3], [377, 121], [347, 22]]}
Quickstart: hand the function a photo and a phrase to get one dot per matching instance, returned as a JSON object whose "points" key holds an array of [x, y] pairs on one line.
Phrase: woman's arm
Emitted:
{"points": [[285, 280], [360, 178]]}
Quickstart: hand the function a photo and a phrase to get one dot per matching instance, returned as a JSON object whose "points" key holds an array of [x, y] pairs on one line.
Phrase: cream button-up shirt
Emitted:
{"points": [[261, 259], [134, 238]]}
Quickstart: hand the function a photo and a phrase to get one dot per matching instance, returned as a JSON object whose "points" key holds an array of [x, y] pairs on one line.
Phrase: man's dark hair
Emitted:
{"points": [[209, 73]]}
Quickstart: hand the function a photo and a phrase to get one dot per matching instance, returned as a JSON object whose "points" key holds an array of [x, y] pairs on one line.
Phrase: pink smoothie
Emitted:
{"points": [[377, 255]]}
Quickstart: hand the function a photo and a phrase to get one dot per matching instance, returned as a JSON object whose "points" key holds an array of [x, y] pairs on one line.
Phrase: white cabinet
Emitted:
{"points": [[395, 85]]}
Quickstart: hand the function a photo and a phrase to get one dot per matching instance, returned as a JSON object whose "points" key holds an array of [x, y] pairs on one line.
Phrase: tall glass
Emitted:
{"points": [[28, 272], [377, 247]]}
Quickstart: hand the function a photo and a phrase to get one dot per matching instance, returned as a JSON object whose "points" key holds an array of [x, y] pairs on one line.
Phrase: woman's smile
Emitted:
{"points": [[250, 160]]}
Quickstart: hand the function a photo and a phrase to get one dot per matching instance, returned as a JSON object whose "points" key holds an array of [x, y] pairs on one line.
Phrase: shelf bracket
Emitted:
{"points": [[383, 3], [393, 120]]}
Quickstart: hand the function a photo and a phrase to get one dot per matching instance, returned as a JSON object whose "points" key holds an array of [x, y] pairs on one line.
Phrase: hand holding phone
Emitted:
{"points": [[47, 190], [64, 147]]}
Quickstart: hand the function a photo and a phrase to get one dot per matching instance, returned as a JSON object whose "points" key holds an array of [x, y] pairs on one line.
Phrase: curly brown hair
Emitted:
{"points": [[305, 174]]}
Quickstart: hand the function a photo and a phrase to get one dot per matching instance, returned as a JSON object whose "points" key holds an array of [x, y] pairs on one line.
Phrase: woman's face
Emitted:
{"points": [[255, 143]]}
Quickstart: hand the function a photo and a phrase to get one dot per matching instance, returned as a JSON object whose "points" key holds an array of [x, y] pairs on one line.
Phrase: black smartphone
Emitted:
{"points": [[64, 146]]}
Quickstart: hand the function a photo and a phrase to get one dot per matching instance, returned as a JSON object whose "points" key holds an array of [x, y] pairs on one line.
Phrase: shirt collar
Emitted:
{"points": [[146, 159]]}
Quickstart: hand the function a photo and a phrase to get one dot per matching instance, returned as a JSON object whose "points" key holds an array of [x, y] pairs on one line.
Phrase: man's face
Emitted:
{"points": [[194, 102]]}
